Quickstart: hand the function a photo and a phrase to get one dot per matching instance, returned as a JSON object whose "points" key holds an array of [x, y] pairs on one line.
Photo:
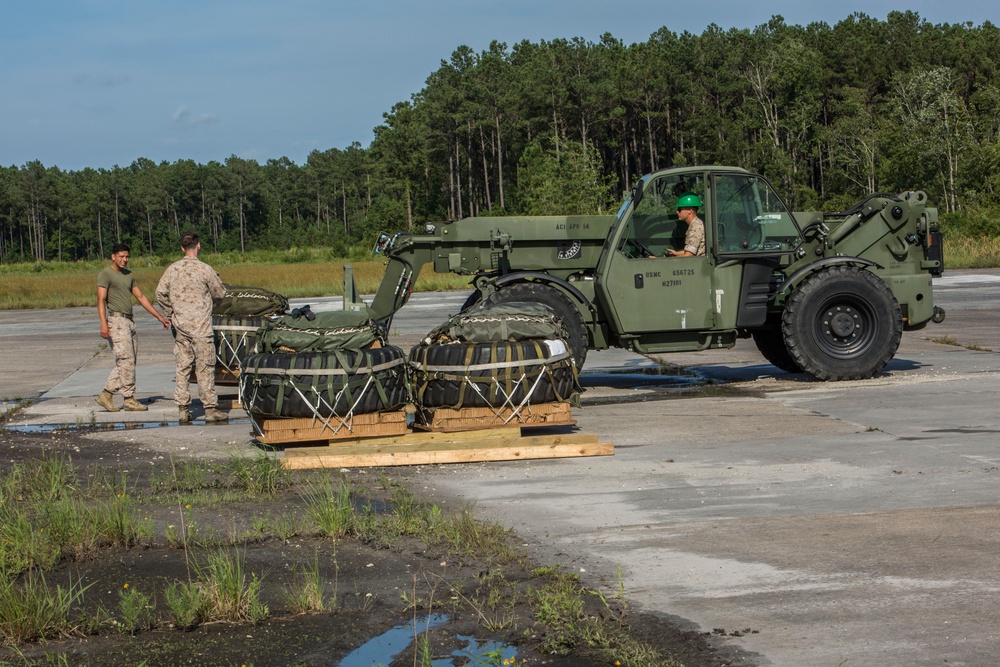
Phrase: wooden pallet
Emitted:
{"points": [[465, 419], [425, 448], [307, 429], [226, 377]]}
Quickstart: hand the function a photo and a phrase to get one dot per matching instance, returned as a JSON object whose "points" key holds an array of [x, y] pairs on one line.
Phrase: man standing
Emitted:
{"points": [[185, 293], [115, 288], [694, 239]]}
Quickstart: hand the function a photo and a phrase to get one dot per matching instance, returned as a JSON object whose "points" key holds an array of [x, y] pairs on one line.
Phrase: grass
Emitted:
{"points": [[64, 285], [48, 518], [964, 252]]}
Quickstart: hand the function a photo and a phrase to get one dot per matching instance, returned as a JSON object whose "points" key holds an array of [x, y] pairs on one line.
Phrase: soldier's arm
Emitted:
{"points": [[163, 296], [144, 302], [102, 309]]}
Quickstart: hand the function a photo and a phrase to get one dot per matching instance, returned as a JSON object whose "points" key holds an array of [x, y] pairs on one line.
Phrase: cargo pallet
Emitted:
{"points": [[457, 436]]}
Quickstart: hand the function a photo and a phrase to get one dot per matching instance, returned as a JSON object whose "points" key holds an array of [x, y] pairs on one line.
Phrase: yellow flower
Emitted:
{"points": [[187, 507], [126, 585]]}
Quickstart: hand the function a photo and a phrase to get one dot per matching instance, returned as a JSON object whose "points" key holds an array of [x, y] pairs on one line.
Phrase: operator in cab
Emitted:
{"points": [[694, 238]]}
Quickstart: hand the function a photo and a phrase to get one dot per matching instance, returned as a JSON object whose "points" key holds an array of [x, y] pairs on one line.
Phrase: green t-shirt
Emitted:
{"points": [[119, 285]]}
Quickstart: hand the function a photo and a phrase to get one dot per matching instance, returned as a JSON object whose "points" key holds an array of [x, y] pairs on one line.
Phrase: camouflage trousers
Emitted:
{"points": [[197, 355], [124, 345]]}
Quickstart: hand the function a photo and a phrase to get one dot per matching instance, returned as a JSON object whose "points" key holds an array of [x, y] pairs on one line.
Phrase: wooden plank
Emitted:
{"points": [[334, 446], [363, 447], [450, 419], [439, 456], [305, 429]]}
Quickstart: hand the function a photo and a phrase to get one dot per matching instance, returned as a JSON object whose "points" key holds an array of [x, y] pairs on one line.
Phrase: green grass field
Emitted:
{"points": [[64, 285]]}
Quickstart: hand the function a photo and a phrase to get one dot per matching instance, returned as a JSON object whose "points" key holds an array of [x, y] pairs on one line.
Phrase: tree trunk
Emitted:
{"points": [[499, 161]]}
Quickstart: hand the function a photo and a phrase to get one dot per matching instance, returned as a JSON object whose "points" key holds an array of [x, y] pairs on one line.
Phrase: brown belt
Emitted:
{"points": [[113, 313]]}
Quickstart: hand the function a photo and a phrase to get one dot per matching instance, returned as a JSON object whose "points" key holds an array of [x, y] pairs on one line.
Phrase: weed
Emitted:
{"points": [[260, 475], [30, 611], [136, 610], [945, 340], [187, 534], [329, 506], [306, 595], [23, 545], [233, 595], [188, 604]]}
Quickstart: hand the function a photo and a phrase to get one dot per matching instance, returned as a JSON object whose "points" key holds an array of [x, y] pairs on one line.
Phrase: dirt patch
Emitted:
{"points": [[372, 583]]}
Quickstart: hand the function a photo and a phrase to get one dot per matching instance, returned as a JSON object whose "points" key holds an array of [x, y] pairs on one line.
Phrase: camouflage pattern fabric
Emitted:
{"points": [[186, 292], [123, 341], [197, 354], [694, 239]]}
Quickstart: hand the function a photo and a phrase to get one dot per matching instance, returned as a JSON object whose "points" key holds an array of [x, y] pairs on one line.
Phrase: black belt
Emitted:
{"points": [[113, 313]]}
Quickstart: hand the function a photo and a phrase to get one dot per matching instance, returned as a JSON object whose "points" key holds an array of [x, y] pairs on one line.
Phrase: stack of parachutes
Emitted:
{"points": [[505, 357], [337, 363], [236, 321]]}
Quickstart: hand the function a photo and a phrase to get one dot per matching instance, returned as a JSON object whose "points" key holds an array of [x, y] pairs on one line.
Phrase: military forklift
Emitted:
{"points": [[828, 294]]}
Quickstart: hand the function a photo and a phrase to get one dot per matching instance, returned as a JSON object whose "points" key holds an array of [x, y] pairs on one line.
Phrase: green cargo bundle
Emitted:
{"points": [[324, 332], [241, 301], [324, 385], [512, 321], [499, 375], [235, 339]]}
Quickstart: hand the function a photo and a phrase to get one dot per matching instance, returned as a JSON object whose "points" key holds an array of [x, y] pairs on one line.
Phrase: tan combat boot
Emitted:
{"points": [[132, 405], [184, 416], [213, 415], [107, 401]]}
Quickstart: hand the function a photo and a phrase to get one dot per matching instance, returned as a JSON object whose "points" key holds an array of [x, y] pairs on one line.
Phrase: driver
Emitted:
{"points": [[694, 239]]}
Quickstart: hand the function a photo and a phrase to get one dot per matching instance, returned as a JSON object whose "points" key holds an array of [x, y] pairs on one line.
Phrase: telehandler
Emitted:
{"points": [[828, 294]]}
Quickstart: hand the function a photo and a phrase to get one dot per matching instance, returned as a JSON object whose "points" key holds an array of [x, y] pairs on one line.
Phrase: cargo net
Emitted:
{"points": [[531, 372], [329, 397], [233, 343]]}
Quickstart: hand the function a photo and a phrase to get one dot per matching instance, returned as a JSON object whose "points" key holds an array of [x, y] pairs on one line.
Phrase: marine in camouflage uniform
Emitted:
{"points": [[694, 239], [186, 294], [115, 288]]}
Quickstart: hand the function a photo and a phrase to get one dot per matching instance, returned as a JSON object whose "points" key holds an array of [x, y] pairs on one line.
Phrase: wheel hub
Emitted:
{"points": [[841, 322]]}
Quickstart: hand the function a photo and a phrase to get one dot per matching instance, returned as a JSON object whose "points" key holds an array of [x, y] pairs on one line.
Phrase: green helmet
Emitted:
{"points": [[689, 200]]}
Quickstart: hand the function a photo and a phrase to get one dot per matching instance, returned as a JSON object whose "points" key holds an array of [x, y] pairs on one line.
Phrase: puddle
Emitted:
{"points": [[382, 650], [111, 426], [643, 378]]}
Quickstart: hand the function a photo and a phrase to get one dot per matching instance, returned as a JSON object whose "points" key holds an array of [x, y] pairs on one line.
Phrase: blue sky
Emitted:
{"points": [[94, 83]]}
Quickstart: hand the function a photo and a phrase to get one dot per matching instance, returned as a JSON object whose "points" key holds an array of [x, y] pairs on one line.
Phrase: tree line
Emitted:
{"points": [[828, 113]]}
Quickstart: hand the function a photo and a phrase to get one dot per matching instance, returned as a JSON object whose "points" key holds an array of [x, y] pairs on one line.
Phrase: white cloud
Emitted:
{"points": [[184, 118]]}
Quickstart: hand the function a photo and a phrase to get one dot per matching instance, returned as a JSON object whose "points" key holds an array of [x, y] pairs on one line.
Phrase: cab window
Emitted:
{"points": [[750, 217], [653, 227]]}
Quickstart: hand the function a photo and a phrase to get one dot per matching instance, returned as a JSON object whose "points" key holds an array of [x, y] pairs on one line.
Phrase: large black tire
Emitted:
{"points": [[842, 323], [558, 303], [270, 386], [481, 374], [771, 344]]}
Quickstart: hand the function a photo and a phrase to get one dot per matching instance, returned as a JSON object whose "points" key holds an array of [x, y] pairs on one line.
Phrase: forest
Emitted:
{"points": [[827, 113]]}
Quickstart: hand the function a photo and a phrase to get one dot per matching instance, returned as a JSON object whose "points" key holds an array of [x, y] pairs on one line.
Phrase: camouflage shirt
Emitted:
{"points": [[185, 294], [694, 239]]}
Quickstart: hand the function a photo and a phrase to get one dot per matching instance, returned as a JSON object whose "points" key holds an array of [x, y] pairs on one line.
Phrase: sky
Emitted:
{"points": [[95, 83]]}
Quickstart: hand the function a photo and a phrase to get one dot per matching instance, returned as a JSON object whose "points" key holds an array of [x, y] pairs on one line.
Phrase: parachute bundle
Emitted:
{"points": [[500, 374], [243, 301], [322, 332], [511, 321], [324, 385], [235, 339]]}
